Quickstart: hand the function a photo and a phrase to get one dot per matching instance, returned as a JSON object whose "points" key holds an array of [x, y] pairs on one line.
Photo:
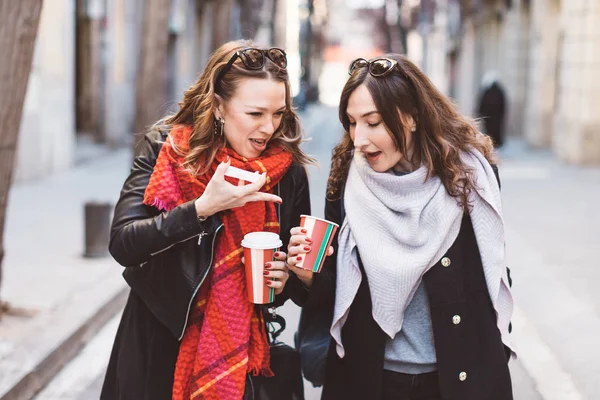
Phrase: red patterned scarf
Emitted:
{"points": [[224, 339]]}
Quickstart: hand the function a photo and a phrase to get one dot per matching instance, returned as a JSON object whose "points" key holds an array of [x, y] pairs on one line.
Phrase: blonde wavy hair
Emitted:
{"points": [[442, 132], [199, 101]]}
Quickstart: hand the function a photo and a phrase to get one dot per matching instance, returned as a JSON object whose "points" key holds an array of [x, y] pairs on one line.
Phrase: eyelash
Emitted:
{"points": [[370, 125], [259, 114]]}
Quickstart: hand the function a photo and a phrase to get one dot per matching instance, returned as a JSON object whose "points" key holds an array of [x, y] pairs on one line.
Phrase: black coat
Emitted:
{"points": [[472, 346], [166, 257], [492, 108]]}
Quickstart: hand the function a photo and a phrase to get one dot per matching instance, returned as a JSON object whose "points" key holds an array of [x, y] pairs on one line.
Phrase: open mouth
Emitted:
{"points": [[373, 156], [259, 144]]}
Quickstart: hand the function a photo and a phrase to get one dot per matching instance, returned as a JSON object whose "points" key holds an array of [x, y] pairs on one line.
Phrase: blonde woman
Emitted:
{"points": [[188, 330]]}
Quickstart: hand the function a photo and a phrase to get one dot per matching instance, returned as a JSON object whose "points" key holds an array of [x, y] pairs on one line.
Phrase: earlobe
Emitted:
{"points": [[218, 107], [412, 122]]}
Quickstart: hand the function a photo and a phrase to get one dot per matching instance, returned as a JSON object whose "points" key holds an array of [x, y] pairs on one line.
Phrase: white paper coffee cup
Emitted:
{"points": [[259, 248]]}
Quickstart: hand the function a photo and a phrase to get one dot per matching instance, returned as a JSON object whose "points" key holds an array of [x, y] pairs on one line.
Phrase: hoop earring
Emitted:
{"points": [[219, 126]]}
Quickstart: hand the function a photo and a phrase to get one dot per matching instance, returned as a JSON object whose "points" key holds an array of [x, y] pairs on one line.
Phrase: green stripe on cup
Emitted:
{"points": [[323, 248], [271, 290]]}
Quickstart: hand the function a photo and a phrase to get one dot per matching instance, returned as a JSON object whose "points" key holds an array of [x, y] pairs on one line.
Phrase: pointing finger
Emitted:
{"points": [[220, 171], [256, 186], [260, 196]]}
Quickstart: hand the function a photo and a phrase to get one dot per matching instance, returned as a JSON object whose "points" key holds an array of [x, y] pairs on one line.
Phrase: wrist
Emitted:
{"points": [[307, 281], [203, 208]]}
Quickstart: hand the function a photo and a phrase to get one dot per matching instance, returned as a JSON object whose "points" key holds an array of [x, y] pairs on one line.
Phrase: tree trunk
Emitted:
{"points": [[88, 73], [151, 85], [19, 22]]}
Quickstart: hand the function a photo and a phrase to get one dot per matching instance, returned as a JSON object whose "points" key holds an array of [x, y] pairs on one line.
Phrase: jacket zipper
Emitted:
{"points": [[251, 386], [181, 241], [212, 255]]}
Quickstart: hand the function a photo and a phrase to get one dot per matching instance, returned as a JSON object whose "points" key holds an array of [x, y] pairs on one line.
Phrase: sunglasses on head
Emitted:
{"points": [[378, 67], [254, 58]]}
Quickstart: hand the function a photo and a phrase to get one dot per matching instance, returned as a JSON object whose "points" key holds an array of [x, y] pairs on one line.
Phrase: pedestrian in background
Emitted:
{"points": [[188, 330], [492, 107], [417, 303]]}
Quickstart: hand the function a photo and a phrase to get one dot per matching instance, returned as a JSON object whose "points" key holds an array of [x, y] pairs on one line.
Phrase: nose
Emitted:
{"points": [[268, 126], [361, 139]]}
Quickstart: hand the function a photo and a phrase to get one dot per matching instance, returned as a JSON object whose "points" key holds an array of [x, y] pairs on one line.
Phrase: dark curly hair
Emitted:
{"points": [[442, 132]]}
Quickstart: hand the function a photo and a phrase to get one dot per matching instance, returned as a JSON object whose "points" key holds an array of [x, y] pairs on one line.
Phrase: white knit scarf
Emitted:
{"points": [[402, 226]]}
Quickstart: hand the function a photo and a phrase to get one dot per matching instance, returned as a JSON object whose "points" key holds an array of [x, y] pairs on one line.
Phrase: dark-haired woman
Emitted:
{"points": [[417, 302]]}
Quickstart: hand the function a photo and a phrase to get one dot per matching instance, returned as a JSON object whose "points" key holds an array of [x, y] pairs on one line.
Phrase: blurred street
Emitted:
{"points": [[85, 97], [551, 236]]}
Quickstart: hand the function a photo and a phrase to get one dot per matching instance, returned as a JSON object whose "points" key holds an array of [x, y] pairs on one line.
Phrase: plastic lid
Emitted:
{"points": [[262, 240]]}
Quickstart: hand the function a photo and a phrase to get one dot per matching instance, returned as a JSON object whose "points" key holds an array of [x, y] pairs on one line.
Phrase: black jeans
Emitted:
{"points": [[397, 386]]}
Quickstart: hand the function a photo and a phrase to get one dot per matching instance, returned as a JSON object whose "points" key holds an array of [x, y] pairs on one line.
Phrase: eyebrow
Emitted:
{"points": [[365, 114], [282, 108]]}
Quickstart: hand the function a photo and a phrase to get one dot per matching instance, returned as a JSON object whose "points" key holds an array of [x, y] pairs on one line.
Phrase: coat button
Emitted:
{"points": [[462, 376], [456, 319], [446, 262]]}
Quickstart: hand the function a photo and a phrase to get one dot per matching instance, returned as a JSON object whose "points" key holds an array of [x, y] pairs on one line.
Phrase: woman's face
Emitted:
{"points": [[371, 136], [252, 115]]}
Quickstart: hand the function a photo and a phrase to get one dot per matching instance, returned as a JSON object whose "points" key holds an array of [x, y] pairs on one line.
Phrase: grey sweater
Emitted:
{"points": [[412, 350]]}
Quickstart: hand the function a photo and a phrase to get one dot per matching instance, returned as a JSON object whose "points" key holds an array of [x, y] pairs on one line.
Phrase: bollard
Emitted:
{"points": [[97, 229]]}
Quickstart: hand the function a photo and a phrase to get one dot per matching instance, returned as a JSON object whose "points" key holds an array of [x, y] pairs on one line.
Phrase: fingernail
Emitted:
{"points": [[227, 160], [269, 283], [309, 240], [306, 248], [304, 231], [267, 265], [266, 273], [299, 258], [276, 254]]}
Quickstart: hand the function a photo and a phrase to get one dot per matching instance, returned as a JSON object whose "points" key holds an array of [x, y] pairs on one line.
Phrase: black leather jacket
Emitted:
{"points": [[168, 255]]}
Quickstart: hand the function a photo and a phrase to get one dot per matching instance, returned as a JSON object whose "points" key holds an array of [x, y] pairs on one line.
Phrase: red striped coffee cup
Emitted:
{"points": [[321, 232], [259, 248]]}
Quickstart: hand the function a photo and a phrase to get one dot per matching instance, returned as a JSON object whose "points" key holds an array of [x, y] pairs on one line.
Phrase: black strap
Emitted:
{"points": [[274, 322]]}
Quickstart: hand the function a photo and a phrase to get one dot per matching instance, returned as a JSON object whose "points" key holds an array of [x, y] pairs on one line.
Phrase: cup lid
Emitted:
{"points": [[262, 240]]}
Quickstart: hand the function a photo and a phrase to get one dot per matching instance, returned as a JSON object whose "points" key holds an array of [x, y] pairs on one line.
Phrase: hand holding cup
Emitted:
{"points": [[266, 273], [309, 244], [275, 272]]}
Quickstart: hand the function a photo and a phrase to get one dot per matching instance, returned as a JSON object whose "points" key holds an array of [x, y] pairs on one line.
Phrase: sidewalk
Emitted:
{"points": [[553, 236], [44, 271]]}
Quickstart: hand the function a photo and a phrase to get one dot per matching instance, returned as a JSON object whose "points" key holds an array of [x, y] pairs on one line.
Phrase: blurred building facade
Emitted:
{"points": [[544, 53], [81, 91]]}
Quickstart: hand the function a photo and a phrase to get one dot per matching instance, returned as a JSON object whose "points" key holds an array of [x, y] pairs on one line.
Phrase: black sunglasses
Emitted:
{"points": [[253, 58], [378, 67]]}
